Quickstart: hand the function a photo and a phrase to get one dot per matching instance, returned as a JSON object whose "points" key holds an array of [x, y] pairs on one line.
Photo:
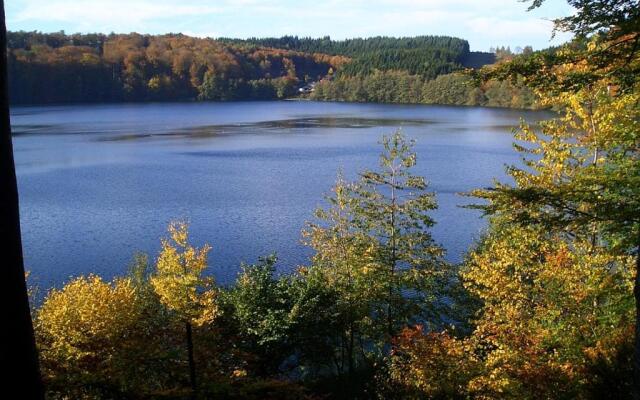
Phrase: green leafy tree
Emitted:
{"points": [[261, 309], [392, 207], [374, 250], [374, 245], [344, 261]]}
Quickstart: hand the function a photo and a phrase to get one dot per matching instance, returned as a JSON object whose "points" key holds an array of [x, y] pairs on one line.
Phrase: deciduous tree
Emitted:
{"points": [[183, 288]]}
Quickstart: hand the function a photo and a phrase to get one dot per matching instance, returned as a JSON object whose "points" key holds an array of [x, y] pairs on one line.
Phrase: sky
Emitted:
{"points": [[484, 23]]}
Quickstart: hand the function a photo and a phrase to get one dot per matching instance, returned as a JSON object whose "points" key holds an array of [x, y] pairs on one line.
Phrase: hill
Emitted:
{"points": [[427, 56], [47, 68], [59, 68]]}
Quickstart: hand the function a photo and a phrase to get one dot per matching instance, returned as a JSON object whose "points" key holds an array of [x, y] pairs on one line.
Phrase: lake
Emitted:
{"points": [[99, 182]]}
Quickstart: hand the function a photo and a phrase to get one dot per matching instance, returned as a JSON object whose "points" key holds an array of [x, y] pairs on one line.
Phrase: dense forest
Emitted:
{"points": [[401, 87], [59, 68], [427, 56], [544, 306], [416, 70]]}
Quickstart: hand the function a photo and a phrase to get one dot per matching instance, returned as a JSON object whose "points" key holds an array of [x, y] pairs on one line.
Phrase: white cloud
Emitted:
{"points": [[483, 23], [199, 34], [501, 31], [95, 12], [499, 28]]}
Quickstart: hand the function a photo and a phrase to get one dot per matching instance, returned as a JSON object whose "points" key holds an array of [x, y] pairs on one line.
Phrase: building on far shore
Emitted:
{"points": [[308, 88]]}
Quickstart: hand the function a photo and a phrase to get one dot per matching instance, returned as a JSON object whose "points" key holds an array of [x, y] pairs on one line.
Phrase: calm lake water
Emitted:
{"points": [[98, 183]]}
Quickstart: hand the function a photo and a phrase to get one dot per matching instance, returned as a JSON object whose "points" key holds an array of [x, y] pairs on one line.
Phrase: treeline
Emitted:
{"points": [[402, 87], [416, 70], [59, 68], [427, 56], [359, 46]]}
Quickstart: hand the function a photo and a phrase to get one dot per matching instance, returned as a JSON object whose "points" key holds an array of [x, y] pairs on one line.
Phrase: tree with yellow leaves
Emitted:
{"points": [[182, 288], [373, 247], [580, 181], [345, 261], [556, 317], [80, 330], [432, 365], [581, 178]]}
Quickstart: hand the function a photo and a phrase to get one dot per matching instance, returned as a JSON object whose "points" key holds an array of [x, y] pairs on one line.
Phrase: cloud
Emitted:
{"points": [[199, 34], [497, 28], [521, 31], [103, 13], [483, 23]]}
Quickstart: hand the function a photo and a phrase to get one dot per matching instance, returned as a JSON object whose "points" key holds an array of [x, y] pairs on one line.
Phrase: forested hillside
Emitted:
{"points": [[59, 68], [417, 70], [427, 56]]}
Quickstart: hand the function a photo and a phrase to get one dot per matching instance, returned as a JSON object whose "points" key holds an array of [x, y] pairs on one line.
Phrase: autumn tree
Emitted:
{"points": [[581, 177], [81, 330], [373, 241], [555, 322], [555, 270], [179, 282], [46, 68], [95, 337], [434, 365], [555, 319], [344, 260]]}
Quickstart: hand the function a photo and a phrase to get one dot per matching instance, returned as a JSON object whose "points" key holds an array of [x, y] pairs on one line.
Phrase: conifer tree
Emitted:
{"points": [[344, 260]]}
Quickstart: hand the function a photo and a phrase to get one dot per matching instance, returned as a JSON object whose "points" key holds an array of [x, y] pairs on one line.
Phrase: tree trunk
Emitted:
{"points": [[192, 363], [392, 269], [636, 353], [19, 355]]}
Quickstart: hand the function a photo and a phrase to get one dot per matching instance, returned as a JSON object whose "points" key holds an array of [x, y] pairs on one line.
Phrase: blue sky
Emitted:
{"points": [[484, 23]]}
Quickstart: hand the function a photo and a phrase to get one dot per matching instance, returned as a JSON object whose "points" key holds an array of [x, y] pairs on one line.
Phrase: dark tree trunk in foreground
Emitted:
{"points": [[19, 357], [636, 353]]}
